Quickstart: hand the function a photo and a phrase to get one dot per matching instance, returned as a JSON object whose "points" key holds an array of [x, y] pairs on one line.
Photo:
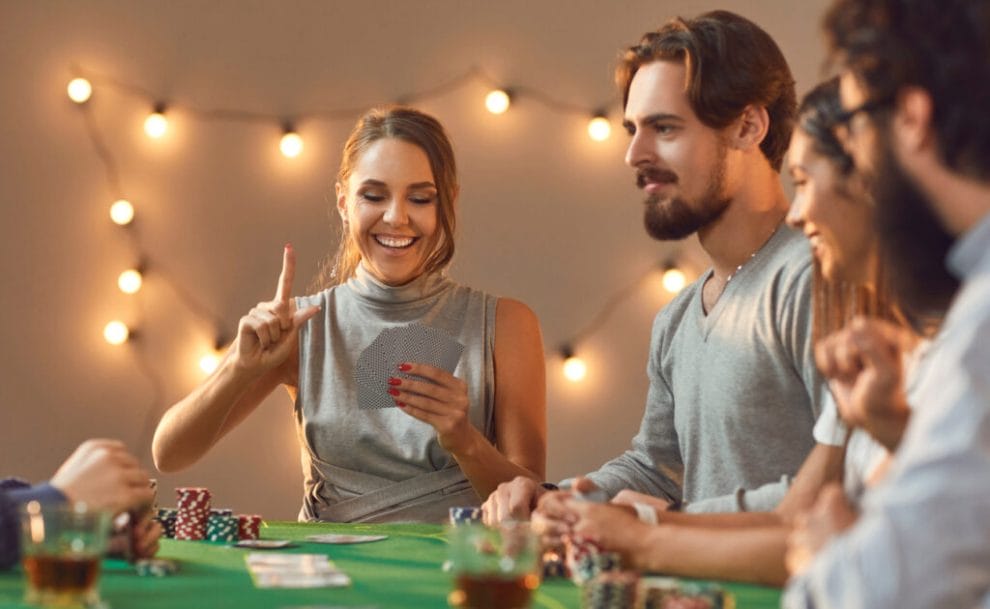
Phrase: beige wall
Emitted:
{"points": [[547, 216]]}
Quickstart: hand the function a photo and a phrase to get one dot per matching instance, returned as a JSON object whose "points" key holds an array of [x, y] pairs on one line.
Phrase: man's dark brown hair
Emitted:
{"points": [[731, 63]]}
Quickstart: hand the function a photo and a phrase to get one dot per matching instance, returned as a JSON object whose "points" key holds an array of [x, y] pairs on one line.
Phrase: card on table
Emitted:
{"points": [[344, 539], [413, 343], [294, 571], [264, 544]]}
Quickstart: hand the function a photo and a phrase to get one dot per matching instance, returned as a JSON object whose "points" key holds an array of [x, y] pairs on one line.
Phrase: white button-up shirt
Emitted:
{"points": [[923, 537]]}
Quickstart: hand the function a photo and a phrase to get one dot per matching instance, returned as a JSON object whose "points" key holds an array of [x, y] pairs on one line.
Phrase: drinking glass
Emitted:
{"points": [[61, 548]]}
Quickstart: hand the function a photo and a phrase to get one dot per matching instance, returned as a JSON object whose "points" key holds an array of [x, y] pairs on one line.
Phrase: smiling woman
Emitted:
{"points": [[451, 437]]}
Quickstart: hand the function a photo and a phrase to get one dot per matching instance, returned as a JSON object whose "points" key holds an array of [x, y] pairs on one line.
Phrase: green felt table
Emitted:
{"points": [[401, 572]]}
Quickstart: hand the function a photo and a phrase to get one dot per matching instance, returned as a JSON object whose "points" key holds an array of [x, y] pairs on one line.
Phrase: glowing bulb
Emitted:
{"points": [[673, 280], [116, 333], [209, 363], [79, 90], [599, 129], [575, 369], [497, 101], [291, 145], [156, 124], [130, 281], [122, 212]]}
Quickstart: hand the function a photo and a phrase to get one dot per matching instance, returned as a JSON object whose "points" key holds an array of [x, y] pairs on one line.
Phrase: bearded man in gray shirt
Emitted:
{"points": [[734, 392]]}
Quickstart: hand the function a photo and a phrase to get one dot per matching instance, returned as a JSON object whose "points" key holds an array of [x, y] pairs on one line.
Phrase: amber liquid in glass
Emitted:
{"points": [[62, 574], [493, 592]]}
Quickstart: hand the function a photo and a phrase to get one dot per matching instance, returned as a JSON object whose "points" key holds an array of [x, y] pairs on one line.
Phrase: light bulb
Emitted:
{"points": [[79, 90], [575, 369], [497, 101], [291, 145], [130, 281], [156, 124], [116, 333], [122, 212], [209, 363], [673, 280], [599, 129]]}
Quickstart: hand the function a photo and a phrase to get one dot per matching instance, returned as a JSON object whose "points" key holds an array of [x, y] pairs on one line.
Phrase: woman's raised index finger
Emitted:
{"points": [[284, 289]]}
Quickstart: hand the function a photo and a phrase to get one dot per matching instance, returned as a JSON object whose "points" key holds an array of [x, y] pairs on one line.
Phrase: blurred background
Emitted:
{"points": [[548, 215]]}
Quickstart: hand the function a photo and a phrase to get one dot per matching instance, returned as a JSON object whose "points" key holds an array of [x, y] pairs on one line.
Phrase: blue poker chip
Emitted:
{"points": [[464, 515]]}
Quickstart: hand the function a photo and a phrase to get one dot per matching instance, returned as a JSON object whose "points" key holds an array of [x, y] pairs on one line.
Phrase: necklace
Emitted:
{"points": [[751, 256]]}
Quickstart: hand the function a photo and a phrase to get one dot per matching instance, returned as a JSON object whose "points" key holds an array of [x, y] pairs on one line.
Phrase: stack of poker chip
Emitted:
{"points": [[552, 564], [460, 516], [610, 590], [221, 525], [194, 508], [166, 518], [584, 560], [670, 593], [248, 526]]}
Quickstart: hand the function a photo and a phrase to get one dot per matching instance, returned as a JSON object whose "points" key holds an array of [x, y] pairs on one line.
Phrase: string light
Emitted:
{"points": [[116, 332], [209, 363], [599, 129], [574, 367], [210, 360], [156, 124], [130, 281], [498, 101], [122, 212], [673, 279], [80, 90], [291, 144]]}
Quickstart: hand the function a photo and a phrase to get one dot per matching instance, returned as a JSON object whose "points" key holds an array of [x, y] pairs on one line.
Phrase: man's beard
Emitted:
{"points": [[913, 244], [676, 218]]}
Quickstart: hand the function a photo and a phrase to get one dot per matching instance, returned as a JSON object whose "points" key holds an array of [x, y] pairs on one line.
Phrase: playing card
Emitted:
{"points": [[393, 346], [425, 345], [342, 539], [263, 544], [294, 571]]}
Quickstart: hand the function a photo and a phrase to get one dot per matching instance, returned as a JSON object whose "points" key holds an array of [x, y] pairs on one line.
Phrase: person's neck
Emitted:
{"points": [[744, 227], [960, 202]]}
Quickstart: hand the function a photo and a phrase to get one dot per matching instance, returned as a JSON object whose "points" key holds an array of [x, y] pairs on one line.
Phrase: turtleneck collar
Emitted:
{"points": [[368, 288]]}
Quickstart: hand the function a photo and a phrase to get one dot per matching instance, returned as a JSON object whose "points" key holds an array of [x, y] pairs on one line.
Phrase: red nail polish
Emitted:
{"points": [[400, 404], [405, 367], [393, 392], [394, 381]]}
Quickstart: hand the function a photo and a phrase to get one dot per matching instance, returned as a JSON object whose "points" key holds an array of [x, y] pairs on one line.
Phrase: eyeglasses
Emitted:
{"points": [[870, 106], [841, 125]]}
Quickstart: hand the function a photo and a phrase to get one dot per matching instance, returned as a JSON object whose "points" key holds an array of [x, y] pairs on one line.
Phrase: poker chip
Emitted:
{"points": [[552, 565], [610, 590], [464, 515], [584, 560], [193, 511], [156, 567], [166, 518], [248, 526], [221, 527], [670, 593]]}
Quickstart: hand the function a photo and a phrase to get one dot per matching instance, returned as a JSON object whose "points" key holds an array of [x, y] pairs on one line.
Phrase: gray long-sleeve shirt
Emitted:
{"points": [[733, 394]]}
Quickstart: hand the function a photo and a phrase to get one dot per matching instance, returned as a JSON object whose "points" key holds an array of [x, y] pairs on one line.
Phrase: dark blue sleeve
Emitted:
{"points": [[14, 493]]}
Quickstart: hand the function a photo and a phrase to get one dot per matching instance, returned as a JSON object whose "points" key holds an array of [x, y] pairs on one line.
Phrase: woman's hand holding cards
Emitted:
{"points": [[440, 399]]}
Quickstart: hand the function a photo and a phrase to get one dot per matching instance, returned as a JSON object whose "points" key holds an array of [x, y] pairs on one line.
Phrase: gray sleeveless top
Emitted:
{"points": [[383, 465]]}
